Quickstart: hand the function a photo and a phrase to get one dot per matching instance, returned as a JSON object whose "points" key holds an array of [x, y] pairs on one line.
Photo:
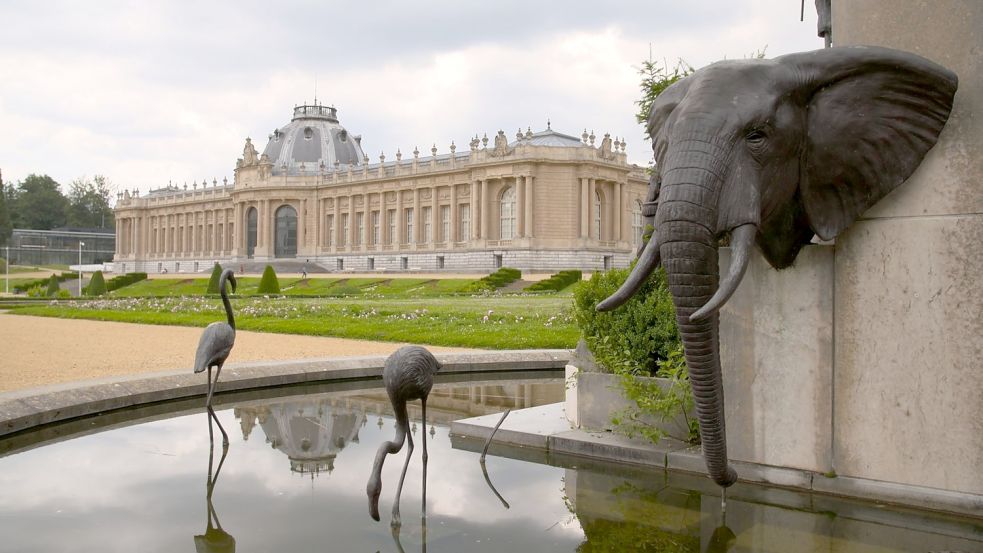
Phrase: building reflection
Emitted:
{"points": [[312, 430], [310, 433]]}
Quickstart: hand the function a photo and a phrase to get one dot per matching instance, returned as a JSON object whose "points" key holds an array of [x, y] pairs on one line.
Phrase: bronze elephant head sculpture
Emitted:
{"points": [[773, 152]]}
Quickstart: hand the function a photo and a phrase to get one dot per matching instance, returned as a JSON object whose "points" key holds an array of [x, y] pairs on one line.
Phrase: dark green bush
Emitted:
{"points": [[53, 287], [97, 285], [557, 282], [498, 279], [268, 284], [213, 281], [640, 333], [43, 282], [120, 281]]}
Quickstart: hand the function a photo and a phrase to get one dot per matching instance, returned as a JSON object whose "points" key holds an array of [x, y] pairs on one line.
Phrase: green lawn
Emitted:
{"points": [[321, 287], [492, 321]]}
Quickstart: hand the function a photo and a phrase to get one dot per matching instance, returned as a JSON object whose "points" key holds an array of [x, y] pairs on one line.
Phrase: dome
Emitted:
{"points": [[312, 138]]}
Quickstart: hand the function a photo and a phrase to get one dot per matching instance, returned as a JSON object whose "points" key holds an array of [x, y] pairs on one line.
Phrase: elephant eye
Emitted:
{"points": [[755, 137]]}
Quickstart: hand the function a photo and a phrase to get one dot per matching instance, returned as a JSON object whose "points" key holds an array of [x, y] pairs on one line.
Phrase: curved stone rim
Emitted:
{"points": [[23, 410]]}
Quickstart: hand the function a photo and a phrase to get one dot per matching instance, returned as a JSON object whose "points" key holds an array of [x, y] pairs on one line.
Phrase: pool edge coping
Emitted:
{"points": [[25, 409]]}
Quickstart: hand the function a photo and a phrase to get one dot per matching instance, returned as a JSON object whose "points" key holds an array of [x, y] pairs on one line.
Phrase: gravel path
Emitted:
{"points": [[38, 351]]}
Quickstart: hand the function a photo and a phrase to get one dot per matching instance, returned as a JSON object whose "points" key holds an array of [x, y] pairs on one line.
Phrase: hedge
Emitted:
{"points": [[557, 282], [120, 281], [498, 279], [43, 281]]}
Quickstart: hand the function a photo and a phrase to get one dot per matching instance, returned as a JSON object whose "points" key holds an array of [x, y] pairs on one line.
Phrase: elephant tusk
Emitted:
{"points": [[647, 262], [742, 238]]}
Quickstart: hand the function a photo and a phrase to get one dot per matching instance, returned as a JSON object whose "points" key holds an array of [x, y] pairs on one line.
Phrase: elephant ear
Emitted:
{"points": [[873, 114], [662, 109]]}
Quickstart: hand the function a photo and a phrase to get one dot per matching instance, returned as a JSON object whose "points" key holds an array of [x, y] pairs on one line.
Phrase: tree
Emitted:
{"points": [[213, 282], [97, 285], [88, 203], [6, 222], [269, 284], [53, 286], [655, 79], [39, 204]]}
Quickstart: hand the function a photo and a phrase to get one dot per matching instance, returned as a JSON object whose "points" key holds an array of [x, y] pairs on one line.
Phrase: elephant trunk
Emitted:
{"points": [[686, 223]]}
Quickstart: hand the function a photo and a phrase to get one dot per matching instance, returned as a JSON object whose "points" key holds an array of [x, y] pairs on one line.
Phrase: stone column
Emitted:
{"points": [[584, 208], [454, 218], [337, 223], [352, 229], [398, 239], [520, 207], [530, 206], [618, 211], [434, 215], [591, 199], [484, 209], [473, 206], [416, 216]]}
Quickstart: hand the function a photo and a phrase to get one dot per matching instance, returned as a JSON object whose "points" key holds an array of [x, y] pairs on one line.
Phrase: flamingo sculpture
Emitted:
{"points": [[214, 346], [408, 375]]}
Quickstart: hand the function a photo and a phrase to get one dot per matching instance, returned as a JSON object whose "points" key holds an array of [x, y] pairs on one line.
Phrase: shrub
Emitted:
{"points": [[43, 282], [36, 291], [640, 338], [213, 281], [642, 332], [53, 287], [498, 279], [268, 284], [97, 285], [557, 282], [120, 281]]}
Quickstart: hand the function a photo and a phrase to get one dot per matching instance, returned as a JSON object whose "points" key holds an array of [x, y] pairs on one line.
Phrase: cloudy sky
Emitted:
{"points": [[147, 92]]}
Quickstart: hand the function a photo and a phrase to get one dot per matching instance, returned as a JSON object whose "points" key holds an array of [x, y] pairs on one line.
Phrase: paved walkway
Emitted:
{"points": [[38, 351]]}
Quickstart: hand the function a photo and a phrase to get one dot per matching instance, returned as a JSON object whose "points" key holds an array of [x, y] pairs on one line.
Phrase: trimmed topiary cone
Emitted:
{"points": [[213, 281], [97, 285], [53, 286], [269, 283]]}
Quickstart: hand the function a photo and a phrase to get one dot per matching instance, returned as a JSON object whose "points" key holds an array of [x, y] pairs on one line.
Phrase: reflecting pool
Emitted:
{"points": [[295, 473]]}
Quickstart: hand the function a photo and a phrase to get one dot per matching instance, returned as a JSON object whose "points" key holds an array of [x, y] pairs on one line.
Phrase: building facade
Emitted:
{"points": [[543, 201], [61, 246]]}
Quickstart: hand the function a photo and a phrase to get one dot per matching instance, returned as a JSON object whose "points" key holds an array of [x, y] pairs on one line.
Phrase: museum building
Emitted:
{"points": [[543, 201]]}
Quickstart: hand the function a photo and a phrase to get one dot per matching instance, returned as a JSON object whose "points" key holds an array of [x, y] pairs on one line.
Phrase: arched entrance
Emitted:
{"points": [[251, 224], [285, 243]]}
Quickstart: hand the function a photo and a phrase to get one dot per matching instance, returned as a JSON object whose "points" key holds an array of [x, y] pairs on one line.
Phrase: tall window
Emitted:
{"points": [[465, 216], [285, 240], [636, 223], [597, 215], [359, 229], [375, 227], [343, 237], [251, 224], [445, 223], [391, 221], [408, 215], [427, 216], [329, 225], [507, 212]]}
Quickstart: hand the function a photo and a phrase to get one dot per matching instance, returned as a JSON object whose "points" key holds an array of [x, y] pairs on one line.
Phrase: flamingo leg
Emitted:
{"points": [[423, 437], [208, 403], [402, 476]]}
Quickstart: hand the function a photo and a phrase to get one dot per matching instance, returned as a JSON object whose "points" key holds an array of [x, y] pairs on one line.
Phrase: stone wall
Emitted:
{"points": [[866, 358]]}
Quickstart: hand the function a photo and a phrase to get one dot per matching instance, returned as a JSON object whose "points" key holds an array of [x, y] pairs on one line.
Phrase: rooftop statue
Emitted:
{"points": [[773, 152]]}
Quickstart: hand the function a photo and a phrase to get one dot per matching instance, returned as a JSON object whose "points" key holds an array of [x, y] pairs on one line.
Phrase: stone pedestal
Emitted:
{"points": [[776, 339]]}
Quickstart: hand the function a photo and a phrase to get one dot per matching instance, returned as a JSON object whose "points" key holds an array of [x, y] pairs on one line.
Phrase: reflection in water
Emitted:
{"points": [[484, 452], [310, 432], [145, 480], [215, 539]]}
